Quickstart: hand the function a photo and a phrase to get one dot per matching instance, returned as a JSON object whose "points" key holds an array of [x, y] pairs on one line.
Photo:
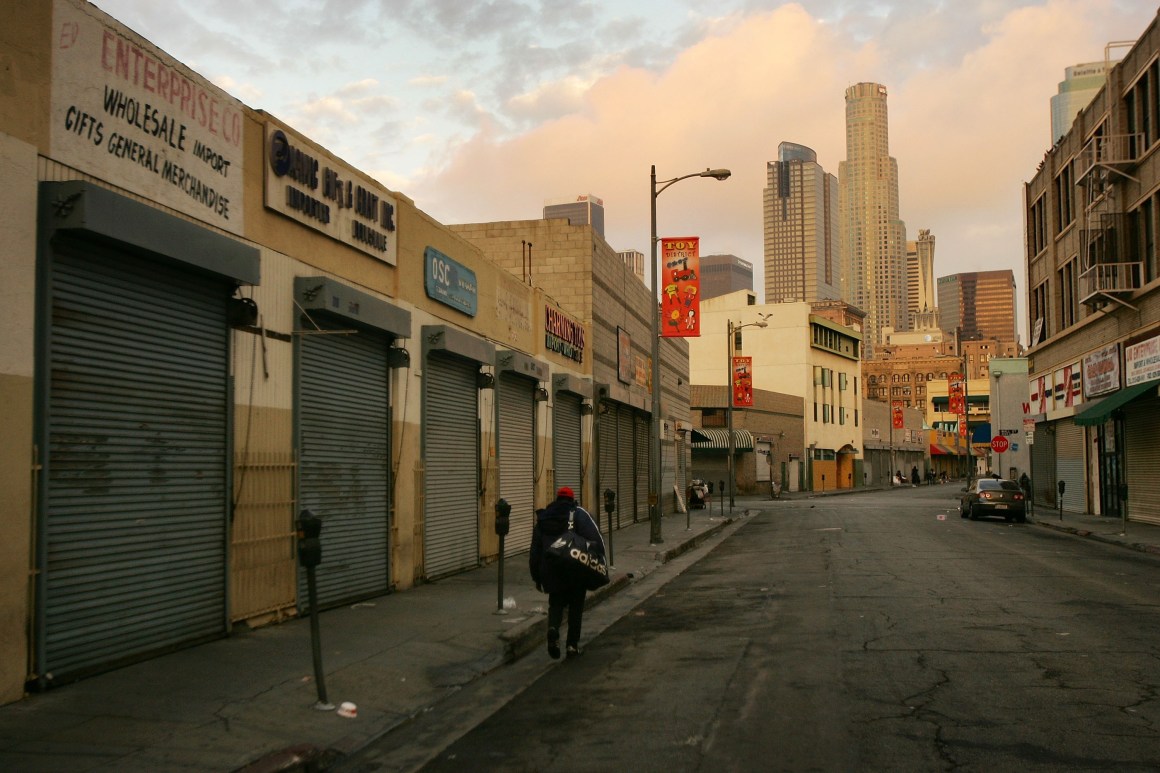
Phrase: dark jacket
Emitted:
{"points": [[551, 522]]}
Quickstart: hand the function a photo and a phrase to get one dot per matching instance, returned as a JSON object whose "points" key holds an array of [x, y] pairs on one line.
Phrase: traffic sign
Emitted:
{"points": [[999, 444]]}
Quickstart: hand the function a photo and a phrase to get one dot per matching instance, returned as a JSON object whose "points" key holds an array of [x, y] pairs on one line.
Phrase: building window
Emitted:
{"points": [[1068, 295]]}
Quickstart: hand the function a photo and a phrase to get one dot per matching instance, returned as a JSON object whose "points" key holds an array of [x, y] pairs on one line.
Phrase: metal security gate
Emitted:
{"points": [[626, 476], [607, 463], [451, 465], [516, 450], [344, 426], [1043, 467], [1069, 464], [136, 469], [566, 443], [641, 470], [1142, 456]]}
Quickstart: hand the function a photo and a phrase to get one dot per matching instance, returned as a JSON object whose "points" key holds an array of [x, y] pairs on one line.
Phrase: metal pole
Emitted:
{"points": [[654, 499], [729, 405], [316, 642], [499, 593]]}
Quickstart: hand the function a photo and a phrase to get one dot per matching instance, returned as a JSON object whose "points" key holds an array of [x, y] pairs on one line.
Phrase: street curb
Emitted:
{"points": [[526, 637], [1140, 547]]}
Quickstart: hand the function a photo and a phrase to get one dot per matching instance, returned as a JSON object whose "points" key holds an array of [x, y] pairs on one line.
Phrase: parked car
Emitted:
{"points": [[994, 496]]}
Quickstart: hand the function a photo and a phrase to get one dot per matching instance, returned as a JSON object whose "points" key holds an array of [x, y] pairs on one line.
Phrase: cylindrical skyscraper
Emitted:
{"points": [[873, 257]]}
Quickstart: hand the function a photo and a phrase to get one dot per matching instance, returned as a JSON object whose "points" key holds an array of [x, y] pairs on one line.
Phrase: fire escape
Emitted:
{"points": [[1110, 268]]}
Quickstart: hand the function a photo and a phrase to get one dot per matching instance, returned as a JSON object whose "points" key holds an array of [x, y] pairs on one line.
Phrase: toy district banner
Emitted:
{"points": [[681, 285]]}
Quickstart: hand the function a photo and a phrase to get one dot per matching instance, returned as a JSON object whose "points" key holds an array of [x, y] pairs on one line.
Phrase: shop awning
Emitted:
{"points": [[938, 450], [1101, 411], [718, 440]]}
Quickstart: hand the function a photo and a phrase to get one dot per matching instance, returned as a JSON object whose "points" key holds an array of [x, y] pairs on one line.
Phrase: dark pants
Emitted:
{"points": [[574, 600]]}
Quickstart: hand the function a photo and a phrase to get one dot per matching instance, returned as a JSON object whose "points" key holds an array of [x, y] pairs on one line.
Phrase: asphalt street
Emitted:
{"points": [[877, 632]]}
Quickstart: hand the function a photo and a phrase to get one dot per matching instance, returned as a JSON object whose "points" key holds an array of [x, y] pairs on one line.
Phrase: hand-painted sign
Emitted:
{"points": [[126, 112]]}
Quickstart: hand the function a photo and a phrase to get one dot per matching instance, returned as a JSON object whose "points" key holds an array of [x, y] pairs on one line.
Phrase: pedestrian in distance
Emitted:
{"points": [[563, 590], [914, 476]]}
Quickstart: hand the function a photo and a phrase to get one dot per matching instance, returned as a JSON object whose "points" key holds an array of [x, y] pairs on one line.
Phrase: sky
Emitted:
{"points": [[482, 111]]}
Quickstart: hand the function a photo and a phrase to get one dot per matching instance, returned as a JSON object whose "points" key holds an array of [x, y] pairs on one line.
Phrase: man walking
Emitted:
{"points": [[563, 590]]}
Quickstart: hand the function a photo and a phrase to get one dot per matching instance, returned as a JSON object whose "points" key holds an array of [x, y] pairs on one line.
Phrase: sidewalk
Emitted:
{"points": [[1144, 537], [246, 702]]}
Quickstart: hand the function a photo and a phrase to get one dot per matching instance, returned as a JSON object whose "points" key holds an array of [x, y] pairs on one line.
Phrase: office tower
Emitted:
{"points": [[920, 281], [800, 214], [580, 210], [634, 259], [1080, 83], [873, 258], [722, 274], [980, 304]]}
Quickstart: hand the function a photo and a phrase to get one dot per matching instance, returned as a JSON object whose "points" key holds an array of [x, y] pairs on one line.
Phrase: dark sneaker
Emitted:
{"points": [[553, 644], [574, 651]]}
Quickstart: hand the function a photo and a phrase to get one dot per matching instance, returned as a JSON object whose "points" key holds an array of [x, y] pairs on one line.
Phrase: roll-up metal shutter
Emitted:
{"points": [[451, 465], [1142, 460], [566, 443], [641, 449], [517, 443], [1069, 464], [607, 462], [1043, 491], [626, 473], [136, 474], [344, 468]]}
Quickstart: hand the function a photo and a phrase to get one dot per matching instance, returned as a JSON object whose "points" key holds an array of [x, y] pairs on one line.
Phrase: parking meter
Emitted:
{"points": [[1061, 486], [309, 556], [503, 523], [1123, 508], [609, 506], [309, 546], [503, 517]]}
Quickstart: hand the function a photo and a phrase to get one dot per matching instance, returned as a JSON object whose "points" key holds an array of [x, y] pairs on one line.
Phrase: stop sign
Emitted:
{"points": [[999, 444]]}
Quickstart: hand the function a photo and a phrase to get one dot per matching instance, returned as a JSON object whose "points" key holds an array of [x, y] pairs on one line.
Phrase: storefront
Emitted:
{"points": [[134, 389]]}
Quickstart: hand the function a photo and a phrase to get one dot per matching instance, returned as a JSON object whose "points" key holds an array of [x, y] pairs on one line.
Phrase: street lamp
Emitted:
{"points": [[654, 498], [731, 329]]}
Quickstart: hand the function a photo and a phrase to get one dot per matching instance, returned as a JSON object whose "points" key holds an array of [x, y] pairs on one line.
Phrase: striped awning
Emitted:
{"points": [[718, 440]]}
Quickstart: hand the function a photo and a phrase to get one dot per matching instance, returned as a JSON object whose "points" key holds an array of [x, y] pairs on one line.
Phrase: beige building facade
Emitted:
{"points": [[1093, 269], [801, 353], [214, 323]]}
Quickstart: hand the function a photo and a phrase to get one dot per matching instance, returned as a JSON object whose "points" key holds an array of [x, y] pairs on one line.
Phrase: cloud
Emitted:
{"points": [[969, 121]]}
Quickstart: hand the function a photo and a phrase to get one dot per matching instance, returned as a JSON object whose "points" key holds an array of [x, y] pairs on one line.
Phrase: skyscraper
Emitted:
{"points": [[920, 296], [585, 209], [1080, 83], [724, 274], [981, 304], [634, 259], [800, 214], [873, 258]]}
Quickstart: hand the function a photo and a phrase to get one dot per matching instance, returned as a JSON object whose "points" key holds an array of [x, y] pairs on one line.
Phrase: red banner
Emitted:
{"points": [[896, 418], [956, 402], [680, 287], [742, 382], [963, 427]]}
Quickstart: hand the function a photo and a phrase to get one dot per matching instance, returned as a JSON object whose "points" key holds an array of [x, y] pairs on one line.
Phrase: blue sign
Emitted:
{"points": [[450, 282]]}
